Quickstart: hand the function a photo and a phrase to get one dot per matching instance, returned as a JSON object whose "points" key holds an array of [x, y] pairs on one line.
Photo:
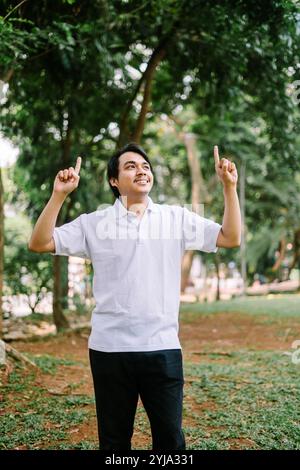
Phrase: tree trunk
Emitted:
{"points": [[64, 262], [204, 297], [60, 287], [64, 281], [282, 250], [199, 193], [1, 250], [198, 196], [156, 58], [216, 262], [124, 131], [243, 217], [5, 77], [186, 265], [147, 79], [296, 257], [59, 319]]}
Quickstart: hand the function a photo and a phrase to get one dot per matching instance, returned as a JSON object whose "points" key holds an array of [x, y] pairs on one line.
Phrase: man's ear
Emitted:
{"points": [[113, 182]]}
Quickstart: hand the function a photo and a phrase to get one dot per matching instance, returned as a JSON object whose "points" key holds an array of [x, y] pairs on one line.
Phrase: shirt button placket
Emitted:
{"points": [[138, 240]]}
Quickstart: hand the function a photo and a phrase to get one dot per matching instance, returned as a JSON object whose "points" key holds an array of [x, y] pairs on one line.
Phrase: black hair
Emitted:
{"points": [[113, 163]]}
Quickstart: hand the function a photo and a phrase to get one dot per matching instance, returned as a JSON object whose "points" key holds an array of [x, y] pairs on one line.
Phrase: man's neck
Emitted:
{"points": [[136, 205]]}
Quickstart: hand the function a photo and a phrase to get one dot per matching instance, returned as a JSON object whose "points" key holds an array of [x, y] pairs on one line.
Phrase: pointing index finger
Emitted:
{"points": [[78, 165], [216, 155]]}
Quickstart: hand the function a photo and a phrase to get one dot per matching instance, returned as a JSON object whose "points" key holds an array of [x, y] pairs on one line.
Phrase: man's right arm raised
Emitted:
{"points": [[65, 182]]}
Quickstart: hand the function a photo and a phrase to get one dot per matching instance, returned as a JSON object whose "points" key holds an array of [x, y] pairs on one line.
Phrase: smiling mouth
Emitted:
{"points": [[141, 181]]}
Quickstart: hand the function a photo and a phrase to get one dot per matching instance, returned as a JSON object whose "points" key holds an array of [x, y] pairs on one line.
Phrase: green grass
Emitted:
{"points": [[249, 401], [249, 398], [83, 445], [276, 306], [48, 364], [246, 399], [38, 421], [36, 318], [255, 396]]}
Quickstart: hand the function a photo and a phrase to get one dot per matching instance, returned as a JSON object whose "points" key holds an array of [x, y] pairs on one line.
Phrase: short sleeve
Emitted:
{"points": [[70, 239], [199, 233]]}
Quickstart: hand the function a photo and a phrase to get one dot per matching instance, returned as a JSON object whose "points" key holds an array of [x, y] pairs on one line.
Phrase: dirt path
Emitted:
{"points": [[220, 333]]}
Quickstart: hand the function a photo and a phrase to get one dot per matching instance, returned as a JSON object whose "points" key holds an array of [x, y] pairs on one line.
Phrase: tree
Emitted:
{"points": [[29, 276], [50, 123], [100, 73], [1, 247]]}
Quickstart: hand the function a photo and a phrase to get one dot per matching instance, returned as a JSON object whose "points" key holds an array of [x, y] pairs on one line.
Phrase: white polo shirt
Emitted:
{"points": [[137, 270]]}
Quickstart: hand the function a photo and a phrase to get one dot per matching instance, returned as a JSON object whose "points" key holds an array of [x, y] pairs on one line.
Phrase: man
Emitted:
{"points": [[136, 247]]}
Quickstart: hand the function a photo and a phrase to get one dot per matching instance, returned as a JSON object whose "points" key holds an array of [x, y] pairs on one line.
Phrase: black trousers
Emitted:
{"points": [[120, 378]]}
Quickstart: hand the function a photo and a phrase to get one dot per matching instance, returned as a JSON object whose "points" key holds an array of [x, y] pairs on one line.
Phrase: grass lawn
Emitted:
{"points": [[250, 400], [242, 391], [274, 306]]}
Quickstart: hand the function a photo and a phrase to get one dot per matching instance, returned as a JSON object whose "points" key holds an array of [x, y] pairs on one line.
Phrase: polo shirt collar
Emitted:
{"points": [[121, 210]]}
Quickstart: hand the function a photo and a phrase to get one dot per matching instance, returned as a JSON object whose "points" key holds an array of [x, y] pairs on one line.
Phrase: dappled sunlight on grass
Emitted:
{"points": [[275, 305]]}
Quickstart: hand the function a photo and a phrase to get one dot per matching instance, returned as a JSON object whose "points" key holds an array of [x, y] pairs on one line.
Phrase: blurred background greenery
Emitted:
{"points": [[176, 76]]}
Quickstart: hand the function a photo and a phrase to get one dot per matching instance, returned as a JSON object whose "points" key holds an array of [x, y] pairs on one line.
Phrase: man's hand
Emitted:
{"points": [[225, 169], [67, 180]]}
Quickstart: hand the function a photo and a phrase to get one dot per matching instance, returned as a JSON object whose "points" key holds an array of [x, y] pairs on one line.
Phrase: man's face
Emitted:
{"points": [[135, 176]]}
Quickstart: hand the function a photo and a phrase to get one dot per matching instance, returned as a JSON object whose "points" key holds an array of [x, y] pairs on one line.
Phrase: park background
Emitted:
{"points": [[83, 78]]}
